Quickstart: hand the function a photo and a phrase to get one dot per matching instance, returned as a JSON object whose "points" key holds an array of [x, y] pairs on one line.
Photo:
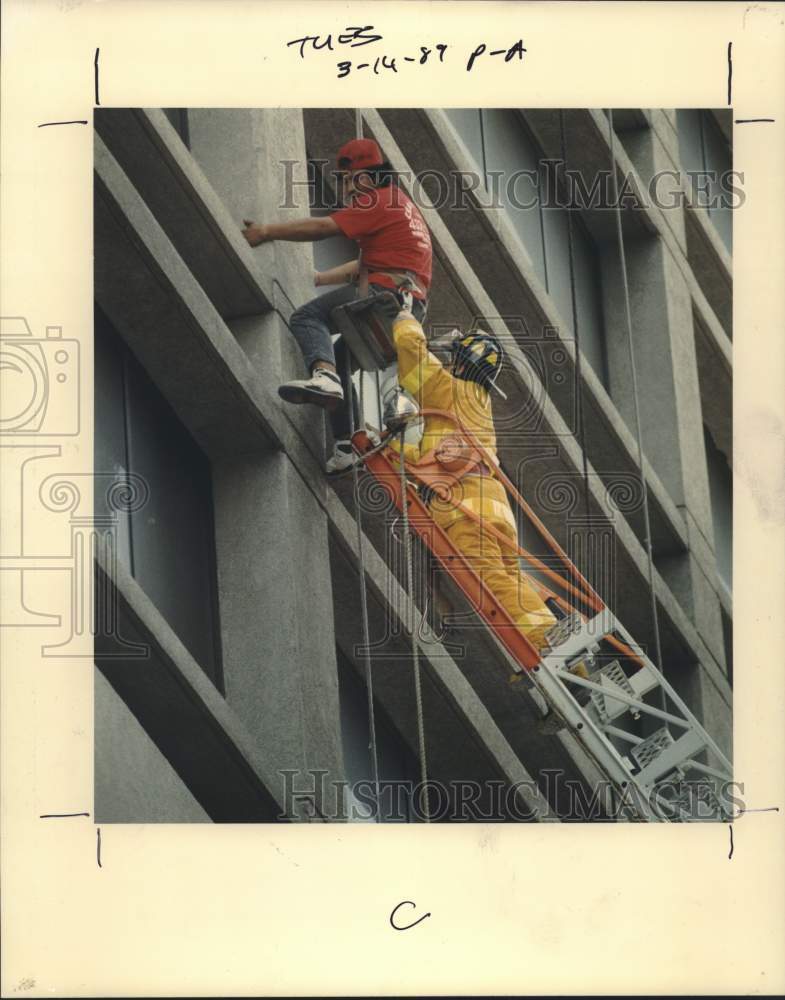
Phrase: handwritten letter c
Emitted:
{"points": [[397, 927]]}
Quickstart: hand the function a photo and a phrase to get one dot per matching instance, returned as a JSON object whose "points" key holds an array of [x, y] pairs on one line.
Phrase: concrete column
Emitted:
{"points": [[255, 160], [669, 389], [654, 152], [670, 409], [276, 607], [274, 578]]}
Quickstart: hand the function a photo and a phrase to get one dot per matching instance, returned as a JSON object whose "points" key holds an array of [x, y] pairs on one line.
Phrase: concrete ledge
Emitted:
{"points": [[149, 294], [710, 262], [181, 710], [715, 375], [713, 262], [656, 222], [184, 203]]}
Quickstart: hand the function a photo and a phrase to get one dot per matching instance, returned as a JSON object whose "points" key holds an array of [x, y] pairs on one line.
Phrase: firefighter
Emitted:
{"points": [[395, 249], [462, 389]]}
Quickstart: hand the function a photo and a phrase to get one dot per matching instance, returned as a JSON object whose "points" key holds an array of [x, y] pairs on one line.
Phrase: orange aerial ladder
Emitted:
{"points": [[596, 679]]}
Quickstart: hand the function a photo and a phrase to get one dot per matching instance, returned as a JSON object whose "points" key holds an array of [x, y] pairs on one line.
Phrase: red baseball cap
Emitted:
{"points": [[359, 153]]}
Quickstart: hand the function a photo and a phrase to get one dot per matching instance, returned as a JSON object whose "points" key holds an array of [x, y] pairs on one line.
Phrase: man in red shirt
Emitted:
{"points": [[395, 249]]}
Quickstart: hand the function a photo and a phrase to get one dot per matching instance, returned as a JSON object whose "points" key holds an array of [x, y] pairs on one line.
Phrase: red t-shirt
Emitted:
{"points": [[391, 233]]}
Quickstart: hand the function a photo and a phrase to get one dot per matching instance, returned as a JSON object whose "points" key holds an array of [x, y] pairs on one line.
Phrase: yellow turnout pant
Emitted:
{"points": [[497, 565]]}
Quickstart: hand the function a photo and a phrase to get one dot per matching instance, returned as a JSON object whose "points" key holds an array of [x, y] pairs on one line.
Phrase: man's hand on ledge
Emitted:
{"points": [[255, 233]]}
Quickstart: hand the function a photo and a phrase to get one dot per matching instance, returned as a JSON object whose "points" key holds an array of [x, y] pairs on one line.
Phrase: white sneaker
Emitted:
{"points": [[343, 458], [323, 388]]}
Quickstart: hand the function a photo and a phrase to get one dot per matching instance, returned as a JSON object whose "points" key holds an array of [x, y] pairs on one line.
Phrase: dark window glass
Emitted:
{"points": [[727, 638], [179, 119], [397, 766], [706, 156], [168, 544], [499, 141], [721, 490]]}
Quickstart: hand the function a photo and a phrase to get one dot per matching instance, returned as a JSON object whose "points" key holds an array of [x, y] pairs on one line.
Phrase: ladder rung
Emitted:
{"points": [[664, 754], [587, 635], [620, 696]]}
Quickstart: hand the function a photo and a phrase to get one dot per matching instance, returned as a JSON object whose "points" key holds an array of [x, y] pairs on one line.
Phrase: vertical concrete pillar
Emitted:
{"points": [[274, 583], [274, 579], [670, 409], [255, 159], [654, 152]]}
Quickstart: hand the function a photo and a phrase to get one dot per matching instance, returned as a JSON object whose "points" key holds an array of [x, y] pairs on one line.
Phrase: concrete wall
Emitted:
{"points": [[134, 782]]}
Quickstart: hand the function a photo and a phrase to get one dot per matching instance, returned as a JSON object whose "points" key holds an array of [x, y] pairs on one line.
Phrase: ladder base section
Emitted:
{"points": [[603, 700], [597, 680]]}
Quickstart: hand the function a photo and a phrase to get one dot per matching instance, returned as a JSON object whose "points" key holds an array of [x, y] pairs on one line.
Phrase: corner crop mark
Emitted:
{"points": [[730, 71], [95, 69], [739, 121], [60, 815]]}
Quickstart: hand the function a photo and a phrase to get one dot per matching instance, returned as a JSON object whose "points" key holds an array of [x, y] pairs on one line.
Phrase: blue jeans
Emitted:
{"points": [[310, 326]]}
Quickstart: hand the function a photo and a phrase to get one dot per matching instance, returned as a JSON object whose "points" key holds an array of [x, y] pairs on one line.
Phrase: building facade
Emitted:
{"points": [[230, 681]]}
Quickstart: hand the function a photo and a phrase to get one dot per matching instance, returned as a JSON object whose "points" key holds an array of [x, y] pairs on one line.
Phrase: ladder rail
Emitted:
{"points": [[576, 643], [626, 699], [554, 681], [455, 563], [589, 596], [590, 737]]}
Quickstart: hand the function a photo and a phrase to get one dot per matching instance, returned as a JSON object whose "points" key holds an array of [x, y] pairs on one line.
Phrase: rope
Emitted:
{"points": [[364, 602], [576, 331], [378, 380], [407, 542], [645, 492]]}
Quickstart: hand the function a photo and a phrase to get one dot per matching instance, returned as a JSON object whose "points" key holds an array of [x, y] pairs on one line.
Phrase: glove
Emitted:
{"points": [[425, 493]]}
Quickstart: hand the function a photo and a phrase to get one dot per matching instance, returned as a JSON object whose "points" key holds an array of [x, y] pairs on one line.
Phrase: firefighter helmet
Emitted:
{"points": [[477, 357]]}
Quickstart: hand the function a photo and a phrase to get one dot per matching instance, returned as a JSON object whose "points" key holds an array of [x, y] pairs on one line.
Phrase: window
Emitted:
{"points": [[397, 766], [705, 151], [468, 123], [587, 283], [168, 544], [721, 490], [511, 164], [324, 200]]}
